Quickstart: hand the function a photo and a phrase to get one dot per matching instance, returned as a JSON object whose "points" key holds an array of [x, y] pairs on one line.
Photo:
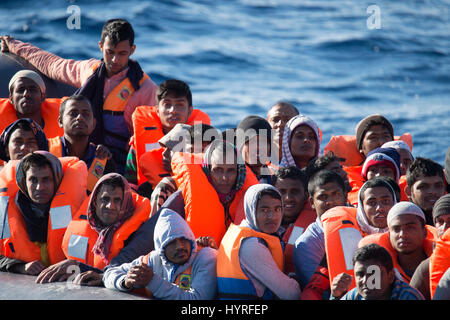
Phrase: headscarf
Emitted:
{"points": [[30, 75], [9, 130], [36, 215], [225, 198], [106, 233], [251, 202], [361, 216], [286, 157]]}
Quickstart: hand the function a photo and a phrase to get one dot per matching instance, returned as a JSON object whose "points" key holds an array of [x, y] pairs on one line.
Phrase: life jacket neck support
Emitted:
{"points": [[342, 234], [148, 130], [14, 240], [49, 113], [205, 213], [383, 240], [344, 146], [232, 283]]}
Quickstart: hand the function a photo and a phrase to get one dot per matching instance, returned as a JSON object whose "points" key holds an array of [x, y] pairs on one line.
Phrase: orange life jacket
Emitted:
{"points": [[344, 146], [356, 181], [383, 240], [148, 130], [80, 237], [205, 214], [95, 171], [68, 198], [49, 112], [232, 283], [151, 166], [307, 216], [402, 185], [439, 261], [342, 233]]}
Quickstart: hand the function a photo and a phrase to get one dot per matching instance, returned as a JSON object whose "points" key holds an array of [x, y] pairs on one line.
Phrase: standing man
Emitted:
{"points": [[115, 85]]}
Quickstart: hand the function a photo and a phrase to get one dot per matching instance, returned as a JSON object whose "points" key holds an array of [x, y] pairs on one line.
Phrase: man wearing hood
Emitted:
{"points": [[301, 142], [38, 201], [103, 226], [176, 270], [250, 258]]}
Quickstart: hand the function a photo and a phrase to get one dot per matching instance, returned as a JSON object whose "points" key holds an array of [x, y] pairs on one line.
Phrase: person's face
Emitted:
{"points": [[406, 233], [40, 184], [327, 196], [27, 98], [380, 170], [116, 56], [405, 160], [337, 167], [178, 251], [108, 203], [293, 194], [223, 174], [277, 117], [426, 191], [21, 143], [377, 202], [255, 151], [78, 119], [303, 143], [173, 110], [269, 213], [374, 138], [442, 223], [370, 288]]}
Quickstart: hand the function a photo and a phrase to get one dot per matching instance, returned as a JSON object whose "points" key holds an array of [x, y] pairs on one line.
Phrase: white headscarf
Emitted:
{"points": [[286, 156], [30, 75], [361, 216]]}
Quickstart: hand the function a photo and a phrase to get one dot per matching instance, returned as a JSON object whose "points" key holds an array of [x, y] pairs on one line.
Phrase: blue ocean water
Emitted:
{"points": [[337, 61]]}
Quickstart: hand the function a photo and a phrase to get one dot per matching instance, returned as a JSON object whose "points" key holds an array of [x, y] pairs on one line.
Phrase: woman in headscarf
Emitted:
{"points": [[20, 138], [250, 258], [301, 142]]}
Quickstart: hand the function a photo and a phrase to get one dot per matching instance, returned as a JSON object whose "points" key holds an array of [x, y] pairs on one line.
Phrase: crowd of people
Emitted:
{"points": [[133, 185]]}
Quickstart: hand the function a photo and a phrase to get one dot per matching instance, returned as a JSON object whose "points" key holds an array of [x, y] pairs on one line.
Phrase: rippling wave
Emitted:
{"points": [[242, 56]]}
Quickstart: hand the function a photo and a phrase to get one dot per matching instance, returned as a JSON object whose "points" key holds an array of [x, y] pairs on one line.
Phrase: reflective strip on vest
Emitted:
{"points": [[296, 232], [60, 217], [4, 224], [152, 146], [349, 241], [77, 247]]}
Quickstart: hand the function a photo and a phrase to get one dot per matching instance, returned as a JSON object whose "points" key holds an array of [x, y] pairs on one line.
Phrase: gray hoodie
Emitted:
{"points": [[255, 258], [171, 226]]}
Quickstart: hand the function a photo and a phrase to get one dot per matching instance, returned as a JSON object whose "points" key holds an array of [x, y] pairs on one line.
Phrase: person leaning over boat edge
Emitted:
{"points": [[115, 85]]}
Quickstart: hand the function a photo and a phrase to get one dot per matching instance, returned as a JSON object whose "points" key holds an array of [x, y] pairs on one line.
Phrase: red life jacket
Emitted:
{"points": [[151, 166], [294, 231]]}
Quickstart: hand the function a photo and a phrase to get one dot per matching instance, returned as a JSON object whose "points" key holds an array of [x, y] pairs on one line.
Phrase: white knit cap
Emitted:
{"points": [[30, 74], [404, 207]]}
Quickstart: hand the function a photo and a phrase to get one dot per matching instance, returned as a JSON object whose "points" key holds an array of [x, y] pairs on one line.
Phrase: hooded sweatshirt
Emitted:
{"points": [[286, 156], [255, 258], [171, 226]]}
